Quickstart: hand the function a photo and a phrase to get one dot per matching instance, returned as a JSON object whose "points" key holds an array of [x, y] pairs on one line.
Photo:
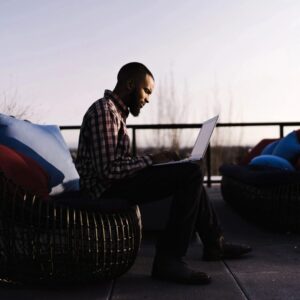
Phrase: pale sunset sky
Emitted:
{"points": [[237, 57]]}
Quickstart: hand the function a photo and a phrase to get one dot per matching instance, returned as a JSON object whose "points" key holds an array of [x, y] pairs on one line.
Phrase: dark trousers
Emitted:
{"points": [[190, 209]]}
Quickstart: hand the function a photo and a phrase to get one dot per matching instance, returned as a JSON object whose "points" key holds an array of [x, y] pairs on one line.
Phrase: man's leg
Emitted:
{"points": [[181, 181], [209, 229], [190, 210], [207, 224], [184, 183]]}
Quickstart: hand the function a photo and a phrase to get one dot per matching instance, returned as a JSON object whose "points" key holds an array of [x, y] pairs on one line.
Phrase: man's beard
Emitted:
{"points": [[134, 106]]}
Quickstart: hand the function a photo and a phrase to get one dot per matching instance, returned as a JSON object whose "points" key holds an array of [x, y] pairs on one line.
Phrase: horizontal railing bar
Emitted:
{"points": [[208, 180], [70, 127], [193, 125]]}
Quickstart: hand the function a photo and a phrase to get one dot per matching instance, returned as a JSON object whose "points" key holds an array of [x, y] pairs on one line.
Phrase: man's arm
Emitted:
{"points": [[164, 156]]}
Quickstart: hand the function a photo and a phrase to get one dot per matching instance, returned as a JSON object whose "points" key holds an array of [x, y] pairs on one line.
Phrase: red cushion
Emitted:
{"points": [[256, 150], [23, 171]]}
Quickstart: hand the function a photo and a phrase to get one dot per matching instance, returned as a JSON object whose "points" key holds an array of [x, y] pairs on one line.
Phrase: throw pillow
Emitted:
{"points": [[256, 150], [272, 161], [270, 148], [23, 171], [288, 147], [45, 145]]}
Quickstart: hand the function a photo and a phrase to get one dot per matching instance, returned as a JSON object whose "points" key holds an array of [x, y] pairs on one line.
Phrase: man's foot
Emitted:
{"points": [[176, 270], [223, 250]]}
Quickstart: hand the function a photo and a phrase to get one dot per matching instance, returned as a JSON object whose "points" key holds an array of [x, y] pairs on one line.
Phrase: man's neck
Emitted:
{"points": [[119, 103], [122, 94]]}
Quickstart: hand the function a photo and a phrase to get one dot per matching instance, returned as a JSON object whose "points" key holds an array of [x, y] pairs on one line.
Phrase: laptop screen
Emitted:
{"points": [[203, 138]]}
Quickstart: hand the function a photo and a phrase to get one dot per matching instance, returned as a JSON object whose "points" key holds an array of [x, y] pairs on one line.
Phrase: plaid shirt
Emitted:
{"points": [[104, 146]]}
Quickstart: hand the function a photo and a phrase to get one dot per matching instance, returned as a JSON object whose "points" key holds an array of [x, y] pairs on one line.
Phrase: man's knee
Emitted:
{"points": [[193, 172]]}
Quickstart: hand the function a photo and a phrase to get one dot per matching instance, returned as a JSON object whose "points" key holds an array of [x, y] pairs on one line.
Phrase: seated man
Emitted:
{"points": [[107, 169]]}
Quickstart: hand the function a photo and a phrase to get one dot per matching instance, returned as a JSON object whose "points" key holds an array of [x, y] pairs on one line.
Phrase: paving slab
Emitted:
{"points": [[271, 285], [272, 270], [137, 283], [95, 291], [277, 258]]}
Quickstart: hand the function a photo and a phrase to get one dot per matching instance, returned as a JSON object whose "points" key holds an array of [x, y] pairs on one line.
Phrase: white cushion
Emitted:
{"points": [[44, 144]]}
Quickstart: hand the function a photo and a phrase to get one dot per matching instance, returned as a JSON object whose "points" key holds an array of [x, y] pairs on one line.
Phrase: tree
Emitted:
{"points": [[171, 109], [10, 106]]}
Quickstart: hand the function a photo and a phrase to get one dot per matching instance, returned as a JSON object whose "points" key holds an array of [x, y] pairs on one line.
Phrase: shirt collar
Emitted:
{"points": [[118, 102]]}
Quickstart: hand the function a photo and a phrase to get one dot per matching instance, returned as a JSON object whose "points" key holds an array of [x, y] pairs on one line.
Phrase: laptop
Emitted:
{"points": [[201, 143]]}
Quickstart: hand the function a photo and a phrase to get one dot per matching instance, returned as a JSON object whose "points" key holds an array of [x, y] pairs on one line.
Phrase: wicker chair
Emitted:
{"points": [[267, 197], [42, 241]]}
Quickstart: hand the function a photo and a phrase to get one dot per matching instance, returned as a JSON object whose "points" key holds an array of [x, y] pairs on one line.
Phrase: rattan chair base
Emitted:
{"points": [[44, 242], [275, 207]]}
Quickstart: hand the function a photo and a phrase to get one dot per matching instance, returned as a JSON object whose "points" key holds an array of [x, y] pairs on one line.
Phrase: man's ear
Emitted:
{"points": [[130, 84]]}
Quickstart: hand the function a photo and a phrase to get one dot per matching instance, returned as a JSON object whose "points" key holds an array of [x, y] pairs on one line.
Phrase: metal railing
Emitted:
{"points": [[209, 180]]}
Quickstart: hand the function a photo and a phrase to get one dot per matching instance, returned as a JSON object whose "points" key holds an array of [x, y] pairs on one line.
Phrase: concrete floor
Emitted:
{"points": [[272, 271]]}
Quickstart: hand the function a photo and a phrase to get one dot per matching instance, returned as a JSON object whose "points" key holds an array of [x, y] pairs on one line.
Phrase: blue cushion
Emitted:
{"points": [[260, 175], [272, 161], [288, 147], [269, 148], [44, 144]]}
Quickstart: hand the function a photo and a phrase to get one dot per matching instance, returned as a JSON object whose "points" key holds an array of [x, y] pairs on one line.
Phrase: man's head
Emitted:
{"points": [[135, 85]]}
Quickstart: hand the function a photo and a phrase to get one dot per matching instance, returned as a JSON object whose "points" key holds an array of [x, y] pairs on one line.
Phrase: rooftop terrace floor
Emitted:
{"points": [[272, 271]]}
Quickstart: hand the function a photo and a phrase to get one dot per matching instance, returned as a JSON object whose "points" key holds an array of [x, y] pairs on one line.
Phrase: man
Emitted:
{"points": [[107, 169]]}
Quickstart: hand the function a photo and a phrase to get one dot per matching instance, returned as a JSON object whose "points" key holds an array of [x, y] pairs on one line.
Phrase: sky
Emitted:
{"points": [[239, 58]]}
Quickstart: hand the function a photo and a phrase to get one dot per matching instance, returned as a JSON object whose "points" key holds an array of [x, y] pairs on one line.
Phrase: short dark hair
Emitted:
{"points": [[133, 70]]}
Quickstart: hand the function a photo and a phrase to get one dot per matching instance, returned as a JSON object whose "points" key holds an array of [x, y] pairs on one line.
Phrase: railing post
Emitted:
{"points": [[281, 127], [133, 142], [208, 166]]}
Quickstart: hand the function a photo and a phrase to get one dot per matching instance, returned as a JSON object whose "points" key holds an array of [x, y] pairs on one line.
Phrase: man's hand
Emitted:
{"points": [[164, 156]]}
